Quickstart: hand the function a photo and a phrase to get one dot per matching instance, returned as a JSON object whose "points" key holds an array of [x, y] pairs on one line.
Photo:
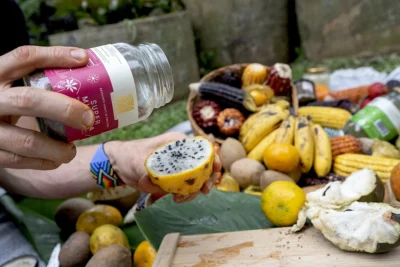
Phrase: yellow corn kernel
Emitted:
{"points": [[330, 117]]}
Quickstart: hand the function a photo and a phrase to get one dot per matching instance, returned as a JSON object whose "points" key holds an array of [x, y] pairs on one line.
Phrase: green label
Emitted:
{"points": [[375, 123]]}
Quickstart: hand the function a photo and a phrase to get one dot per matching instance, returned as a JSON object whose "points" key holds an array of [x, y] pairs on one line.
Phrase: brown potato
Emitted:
{"points": [[75, 251], [111, 256], [231, 151], [270, 176], [247, 172], [69, 211]]}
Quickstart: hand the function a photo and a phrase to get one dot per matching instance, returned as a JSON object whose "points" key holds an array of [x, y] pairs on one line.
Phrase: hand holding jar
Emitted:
{"points": [[27, 149]]}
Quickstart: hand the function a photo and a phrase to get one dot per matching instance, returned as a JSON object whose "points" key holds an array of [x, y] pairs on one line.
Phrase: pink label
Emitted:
{"points": [[92, 86]]}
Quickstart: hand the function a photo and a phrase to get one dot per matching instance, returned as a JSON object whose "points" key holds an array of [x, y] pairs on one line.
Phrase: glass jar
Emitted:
{"points": [[319, 75], [122, 84]]}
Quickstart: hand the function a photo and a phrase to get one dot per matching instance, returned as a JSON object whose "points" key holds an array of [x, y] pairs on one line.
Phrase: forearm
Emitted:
{"points": [[68, 180]]}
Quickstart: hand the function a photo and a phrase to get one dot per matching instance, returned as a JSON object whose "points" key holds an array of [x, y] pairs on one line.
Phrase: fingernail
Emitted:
{"points": [[88, 118], [78, 54]]}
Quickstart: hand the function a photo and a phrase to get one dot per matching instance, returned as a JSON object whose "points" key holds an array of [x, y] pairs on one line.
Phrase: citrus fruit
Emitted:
{"points": [[97, 216], [107, 235], [281, 202], [228, 184], [281, 157], [144, 255], [181, 166]]}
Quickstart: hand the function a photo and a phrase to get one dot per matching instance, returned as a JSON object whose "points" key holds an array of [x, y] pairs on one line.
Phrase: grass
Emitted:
{"points": [[158, 122], [174, 113]]}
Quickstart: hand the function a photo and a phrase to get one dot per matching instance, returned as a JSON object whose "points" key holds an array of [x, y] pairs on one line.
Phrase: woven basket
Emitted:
{"points": [[194, 98]]}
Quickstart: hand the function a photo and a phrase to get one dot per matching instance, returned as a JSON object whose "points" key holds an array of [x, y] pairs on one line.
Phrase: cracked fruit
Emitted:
{"points": [[181, 166], [281, 202]]}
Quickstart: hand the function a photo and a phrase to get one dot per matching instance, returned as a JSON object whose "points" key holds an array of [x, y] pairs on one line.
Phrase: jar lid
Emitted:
{"points": [[319, 69]]}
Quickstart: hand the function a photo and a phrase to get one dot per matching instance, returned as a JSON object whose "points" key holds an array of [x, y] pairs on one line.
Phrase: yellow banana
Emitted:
{"points": [[304, 143], [286, 131], [257, 153], [262, 128], [323, 152], [253, 119]]}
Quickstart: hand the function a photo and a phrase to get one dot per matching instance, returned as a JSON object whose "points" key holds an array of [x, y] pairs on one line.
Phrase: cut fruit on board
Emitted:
{"points": [[277, 247]]}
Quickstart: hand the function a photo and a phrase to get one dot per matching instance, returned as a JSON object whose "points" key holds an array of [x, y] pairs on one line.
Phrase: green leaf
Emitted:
{"points": [[135, 236], [43, 233], [216, 212], [46, 208]]}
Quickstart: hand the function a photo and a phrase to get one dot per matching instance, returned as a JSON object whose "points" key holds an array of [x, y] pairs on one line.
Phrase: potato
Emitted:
{"points": [[69, 211], [111, 256], [106, 235], [231, 151], [75, 251], [247, 172], [271, 176]]}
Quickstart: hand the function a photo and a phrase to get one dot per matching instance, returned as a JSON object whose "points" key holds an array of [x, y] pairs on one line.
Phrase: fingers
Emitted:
{"points": [[25, 59], [33, 144], [147, 186], [32, 102], [217, 166], [181, 199], [14, 161]]}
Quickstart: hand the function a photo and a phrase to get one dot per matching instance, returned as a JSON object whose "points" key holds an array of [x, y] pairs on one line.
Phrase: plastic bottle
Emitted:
{"points": [[122, 84], [379, 119]]}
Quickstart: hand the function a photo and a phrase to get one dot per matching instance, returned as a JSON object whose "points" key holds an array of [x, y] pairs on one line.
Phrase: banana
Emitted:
{"points": [[262, 128], [323, 152], [257, 153], [253, 119], [304, 143], [286, 131]]}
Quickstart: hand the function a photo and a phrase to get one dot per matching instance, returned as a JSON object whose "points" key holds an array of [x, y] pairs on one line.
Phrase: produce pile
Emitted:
{"points": [[91, 227], [292, 153]]}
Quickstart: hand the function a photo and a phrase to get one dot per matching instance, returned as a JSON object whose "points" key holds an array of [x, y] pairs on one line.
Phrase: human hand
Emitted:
{"points": [[128, 158], [27, 149]]}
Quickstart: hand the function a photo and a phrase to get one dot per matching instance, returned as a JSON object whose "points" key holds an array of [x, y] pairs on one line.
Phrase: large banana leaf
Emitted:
{"points": [[216, 212]]}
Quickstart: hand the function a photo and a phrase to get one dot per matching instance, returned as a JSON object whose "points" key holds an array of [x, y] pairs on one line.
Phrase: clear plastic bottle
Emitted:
{"points": [[122, 84]]}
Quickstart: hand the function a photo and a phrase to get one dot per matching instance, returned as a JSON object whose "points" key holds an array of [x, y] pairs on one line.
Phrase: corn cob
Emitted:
{"points": [[346, 164], [344, 145], [330, 117]]}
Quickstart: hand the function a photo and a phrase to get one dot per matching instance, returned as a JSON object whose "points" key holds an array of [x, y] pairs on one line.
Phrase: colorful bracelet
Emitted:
{"points": [[102, 170]]}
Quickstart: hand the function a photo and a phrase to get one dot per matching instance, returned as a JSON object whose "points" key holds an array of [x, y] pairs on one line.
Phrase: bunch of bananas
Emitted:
{"points": [[274, 124]]}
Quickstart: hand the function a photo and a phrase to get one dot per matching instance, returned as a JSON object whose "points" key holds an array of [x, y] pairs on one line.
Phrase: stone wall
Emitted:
{"points": [[339, 28], [241, 31], [172, 32]]}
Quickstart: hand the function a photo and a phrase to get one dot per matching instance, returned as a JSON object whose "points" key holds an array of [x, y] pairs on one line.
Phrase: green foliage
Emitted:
{"points": [[217, 212], [46, 17]]}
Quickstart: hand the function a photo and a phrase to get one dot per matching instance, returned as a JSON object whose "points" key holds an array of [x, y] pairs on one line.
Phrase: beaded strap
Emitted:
{"points": [[102, 170]]}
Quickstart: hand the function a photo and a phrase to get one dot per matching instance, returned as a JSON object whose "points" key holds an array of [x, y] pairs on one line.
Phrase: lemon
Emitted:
{"points": [[144, 255], [281, 202], [181, 166], [107, 235]]}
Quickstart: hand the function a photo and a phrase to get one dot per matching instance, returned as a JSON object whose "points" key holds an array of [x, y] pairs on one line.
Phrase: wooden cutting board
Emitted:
{"points": [[270, 247]]}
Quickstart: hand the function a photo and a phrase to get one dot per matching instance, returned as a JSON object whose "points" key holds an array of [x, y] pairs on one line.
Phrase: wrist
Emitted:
{"points": [[111, 150]]}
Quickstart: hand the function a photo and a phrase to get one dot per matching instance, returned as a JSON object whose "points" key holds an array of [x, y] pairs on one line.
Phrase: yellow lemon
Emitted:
{"points": [[281, 202], [181, 166], [144, 255], [107, 235]]}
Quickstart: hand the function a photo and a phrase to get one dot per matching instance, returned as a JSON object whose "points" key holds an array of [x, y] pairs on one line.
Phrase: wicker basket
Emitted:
{"points": [[194, 98]]}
